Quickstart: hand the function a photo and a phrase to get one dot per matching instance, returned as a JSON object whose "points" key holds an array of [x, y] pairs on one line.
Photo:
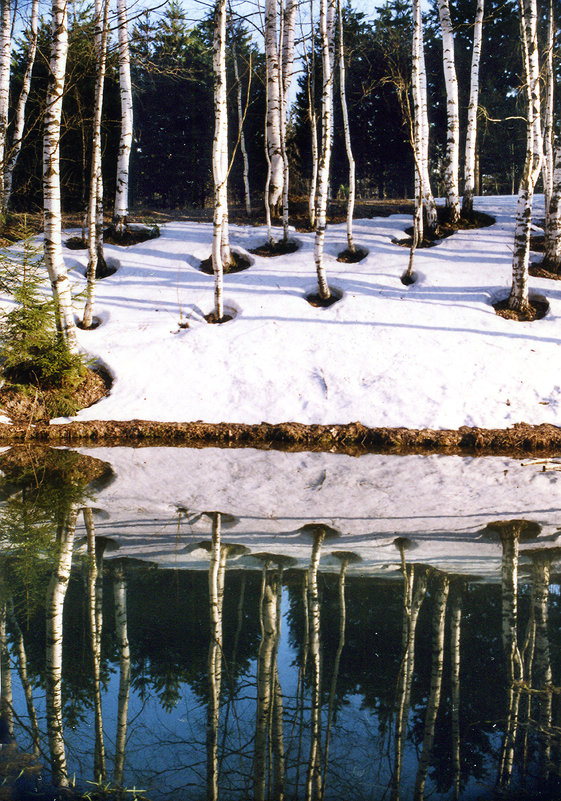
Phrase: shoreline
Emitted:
{"points": [[355, 439]]}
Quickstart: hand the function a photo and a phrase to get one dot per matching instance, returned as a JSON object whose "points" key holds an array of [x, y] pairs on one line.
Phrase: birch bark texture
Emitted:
{"points": [[452, 160], [287, 68], [347, 131], [471, 128], [327, 13], [5, 58], [274, 105], [419, 81], [19, 114], [121, 208], [519, 293], [54, 261], [220, 245], [95, 204], [552, 255]]}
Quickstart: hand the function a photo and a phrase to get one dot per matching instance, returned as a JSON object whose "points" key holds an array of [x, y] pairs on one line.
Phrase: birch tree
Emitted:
{"points": [[5, 58], [419, 88], [287, 66], [241, 134], [19, 114], [121, 208], [347, 131], [548, 132], [273, 189], [51, 176], [451, 164], [552, 255], [519, 294], [471, 130], [121, 632], [326, 28], [221, 256], [96, 260]]}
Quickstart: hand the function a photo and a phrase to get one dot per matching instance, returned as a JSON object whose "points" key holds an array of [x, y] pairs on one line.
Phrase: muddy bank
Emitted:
{"points": [[354, 438]]}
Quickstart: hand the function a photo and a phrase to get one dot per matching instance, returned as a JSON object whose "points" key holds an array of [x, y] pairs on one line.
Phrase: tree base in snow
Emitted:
{"points": [[133, 234], [537, 309], [348, 256], [281, 248], [543, 270], [215, 320], [239, 263], [477, 219], [27, 403], [314, 299]]}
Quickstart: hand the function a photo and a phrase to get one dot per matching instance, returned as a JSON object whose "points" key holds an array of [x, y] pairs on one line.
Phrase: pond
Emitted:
{"points": [[242, 624]]}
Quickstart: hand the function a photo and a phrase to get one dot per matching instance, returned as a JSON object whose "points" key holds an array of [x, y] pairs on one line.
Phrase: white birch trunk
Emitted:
{"points": [[552, 256], [265, 685], [326, 26], [274, 103], [287, 68], [5, 59], [310, 85], [121, 209], [220, 247], [56, 594], [346, 128], [548, 129], [519, 295], [51, 177], [471, 132], [313, 777], [429, 204], [452, 113], [241, 135], [216, 598], [19, 116], [95, 204]]}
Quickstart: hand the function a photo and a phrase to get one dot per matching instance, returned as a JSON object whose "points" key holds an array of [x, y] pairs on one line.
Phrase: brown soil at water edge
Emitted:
{"points": [[521, 440], [33, 405]]}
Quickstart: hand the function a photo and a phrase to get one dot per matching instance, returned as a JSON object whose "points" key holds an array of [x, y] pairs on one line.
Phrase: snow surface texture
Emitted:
{"points": [[432, 355], [159, 507]]}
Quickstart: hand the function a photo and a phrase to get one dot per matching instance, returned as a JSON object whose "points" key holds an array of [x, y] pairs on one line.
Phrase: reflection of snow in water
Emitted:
{"points": [[158, 507]]}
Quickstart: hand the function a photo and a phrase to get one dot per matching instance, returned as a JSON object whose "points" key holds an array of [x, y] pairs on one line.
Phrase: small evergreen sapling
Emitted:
{"points": [[32, 353]]}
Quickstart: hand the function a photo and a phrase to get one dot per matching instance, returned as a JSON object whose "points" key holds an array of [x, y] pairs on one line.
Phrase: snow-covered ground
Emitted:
{"points": [[159, 507], [433, 354]]}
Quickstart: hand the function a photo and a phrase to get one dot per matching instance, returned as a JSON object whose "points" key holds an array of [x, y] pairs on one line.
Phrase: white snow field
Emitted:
{"points": [[433, 354]]}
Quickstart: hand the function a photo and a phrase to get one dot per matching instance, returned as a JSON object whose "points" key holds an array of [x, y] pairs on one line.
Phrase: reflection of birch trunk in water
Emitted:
{"points": [[120, 596], [301, 675], [216, 572], [265, 680], [24, 678], [510, 534], [413, 597], [455, 626], [340, 646], [232, 671], [278, 714], [56, 594], [94, 614], [543, 676], [313, 779], [6, 706], [438, 621]]}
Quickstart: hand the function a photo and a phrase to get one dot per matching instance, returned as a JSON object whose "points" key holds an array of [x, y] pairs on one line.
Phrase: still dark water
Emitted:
{"points": [[245, 671]]}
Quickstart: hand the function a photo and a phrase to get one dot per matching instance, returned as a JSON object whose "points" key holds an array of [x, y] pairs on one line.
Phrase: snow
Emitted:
{"points": [[433, 354], [158, 507]]}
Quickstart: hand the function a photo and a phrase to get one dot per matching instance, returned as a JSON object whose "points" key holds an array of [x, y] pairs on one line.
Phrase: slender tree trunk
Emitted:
{"points": [[455, 629], [452, 160], [265, 683], [274, 103], [552, 255], [5, 59], [347, 130], [313, 778], [121, 209], [51, 177], [220, 249], [216, 573], [548, 129], [288, 29], [326, 26], [56, 594], [311, 91], [471, 132], [241, 135], [95, 204], [19, 115], [420, 87], [519, 295], [24, 676]]}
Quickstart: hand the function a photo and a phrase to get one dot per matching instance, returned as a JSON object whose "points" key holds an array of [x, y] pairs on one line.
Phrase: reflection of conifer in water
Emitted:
{"points": [[120, 597], [438, 621], [56, 594]]}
